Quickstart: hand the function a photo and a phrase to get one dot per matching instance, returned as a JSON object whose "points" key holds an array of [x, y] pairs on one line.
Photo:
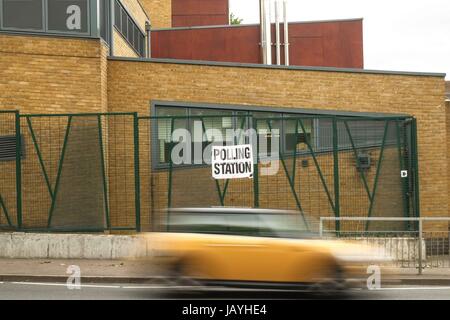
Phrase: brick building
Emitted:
{"points": [[63, 70]]}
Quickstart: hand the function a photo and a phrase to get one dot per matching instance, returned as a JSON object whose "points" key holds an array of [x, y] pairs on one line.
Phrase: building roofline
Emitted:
{"points": [[255, 24], [276, 67]]}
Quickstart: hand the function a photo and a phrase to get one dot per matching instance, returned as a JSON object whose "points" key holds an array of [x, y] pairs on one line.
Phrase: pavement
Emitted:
{"points": [[144, 271]]}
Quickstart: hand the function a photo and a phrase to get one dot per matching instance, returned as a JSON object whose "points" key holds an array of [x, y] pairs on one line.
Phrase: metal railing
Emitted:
{"points": [[411, 242]]}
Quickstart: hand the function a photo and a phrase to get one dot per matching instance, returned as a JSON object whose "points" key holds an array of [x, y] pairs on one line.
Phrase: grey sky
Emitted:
{"points": [[402, 35]]}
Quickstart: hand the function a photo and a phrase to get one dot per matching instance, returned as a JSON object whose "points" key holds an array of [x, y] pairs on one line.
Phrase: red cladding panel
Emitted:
{"points": [[188, 13], [328, 44]]}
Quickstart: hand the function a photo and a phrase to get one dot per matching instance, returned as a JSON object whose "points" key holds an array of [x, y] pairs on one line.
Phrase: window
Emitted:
{"points": [[8, 148], [295, 131], [266, 125], [165, 129], [53, 16], [297, 135], [363, 134], [68, 16], [117, 15], [23, 14], [104, 20], [277, 225], [125, 24]]}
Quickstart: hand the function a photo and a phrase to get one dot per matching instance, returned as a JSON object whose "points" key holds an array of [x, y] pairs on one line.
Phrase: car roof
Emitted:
{"points": [[231, 210]]}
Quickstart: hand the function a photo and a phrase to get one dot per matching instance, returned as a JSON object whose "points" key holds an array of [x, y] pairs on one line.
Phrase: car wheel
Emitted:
{"points": [[179, 280], [335, 286]]}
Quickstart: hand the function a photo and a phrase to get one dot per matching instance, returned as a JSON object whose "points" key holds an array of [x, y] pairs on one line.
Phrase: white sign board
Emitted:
{"points": [[232, 162]]}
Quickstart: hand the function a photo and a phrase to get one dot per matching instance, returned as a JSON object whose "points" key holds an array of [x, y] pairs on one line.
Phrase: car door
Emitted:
{"points": [[238, 254]]}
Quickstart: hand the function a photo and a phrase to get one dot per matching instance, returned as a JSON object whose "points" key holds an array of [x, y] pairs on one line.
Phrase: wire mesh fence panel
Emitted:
{"points": [[123, 191], [190, 162], [304, 176], [154, 176], [371, 162], [80, 172], [321, 166], [87, 172], [8, 171]]}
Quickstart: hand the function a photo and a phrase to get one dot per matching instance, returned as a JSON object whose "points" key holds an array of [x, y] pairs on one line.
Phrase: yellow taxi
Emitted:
{"points": [[254, 248]]}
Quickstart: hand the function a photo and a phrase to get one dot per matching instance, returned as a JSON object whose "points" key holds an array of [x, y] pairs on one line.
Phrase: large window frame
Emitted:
{"points": [[285, 114], [45, 28]]}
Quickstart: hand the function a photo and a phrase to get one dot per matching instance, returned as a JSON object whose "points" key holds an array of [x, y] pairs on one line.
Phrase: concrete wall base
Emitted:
{"points": [[72, 246]]}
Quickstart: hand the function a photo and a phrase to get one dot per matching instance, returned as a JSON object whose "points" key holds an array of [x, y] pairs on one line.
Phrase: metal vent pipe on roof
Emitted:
{"points": [[286, 33], [266, 35], [277, 32]]}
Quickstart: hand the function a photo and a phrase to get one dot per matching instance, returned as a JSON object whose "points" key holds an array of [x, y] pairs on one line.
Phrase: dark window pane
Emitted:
{"points": [[117, 15], [164, 126], [104, 14], [136, 39], [142, 45], [68, 15], [124, 23], [130, 31], [23, 14]]}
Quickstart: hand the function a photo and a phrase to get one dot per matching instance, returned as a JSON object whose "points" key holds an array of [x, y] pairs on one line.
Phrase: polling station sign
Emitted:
{"points": [[232, 162]]}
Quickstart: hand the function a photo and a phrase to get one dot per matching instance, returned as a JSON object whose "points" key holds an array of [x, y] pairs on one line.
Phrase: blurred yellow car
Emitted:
{"points": [[254, 247]]}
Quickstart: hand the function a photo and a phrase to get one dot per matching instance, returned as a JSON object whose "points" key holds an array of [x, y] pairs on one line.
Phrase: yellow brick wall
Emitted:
{"points": [[418, 96], [447, 116], [52, 74], [160, 12], [47, 75]]}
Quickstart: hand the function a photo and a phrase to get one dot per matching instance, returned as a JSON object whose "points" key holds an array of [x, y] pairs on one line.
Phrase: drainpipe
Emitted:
{"points": [[148, 30], [286, 34]]}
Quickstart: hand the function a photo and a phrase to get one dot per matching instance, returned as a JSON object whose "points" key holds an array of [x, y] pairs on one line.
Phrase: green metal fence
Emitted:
{"points": [[114, 171], [73, 172], [10, 201], [328, 166]]}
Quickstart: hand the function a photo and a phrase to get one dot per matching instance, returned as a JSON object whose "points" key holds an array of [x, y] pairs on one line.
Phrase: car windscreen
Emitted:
{"points": [[254, 225]]}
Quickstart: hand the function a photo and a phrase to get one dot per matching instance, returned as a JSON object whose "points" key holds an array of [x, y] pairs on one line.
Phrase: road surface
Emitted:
{"points": [[59, 291]]}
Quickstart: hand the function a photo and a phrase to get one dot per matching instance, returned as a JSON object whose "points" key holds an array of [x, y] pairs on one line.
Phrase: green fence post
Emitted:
{"points": [[137, 181], [336, 175], [18, 171], [402, 179], [169, 191], [255, 165], [415, 158]]}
